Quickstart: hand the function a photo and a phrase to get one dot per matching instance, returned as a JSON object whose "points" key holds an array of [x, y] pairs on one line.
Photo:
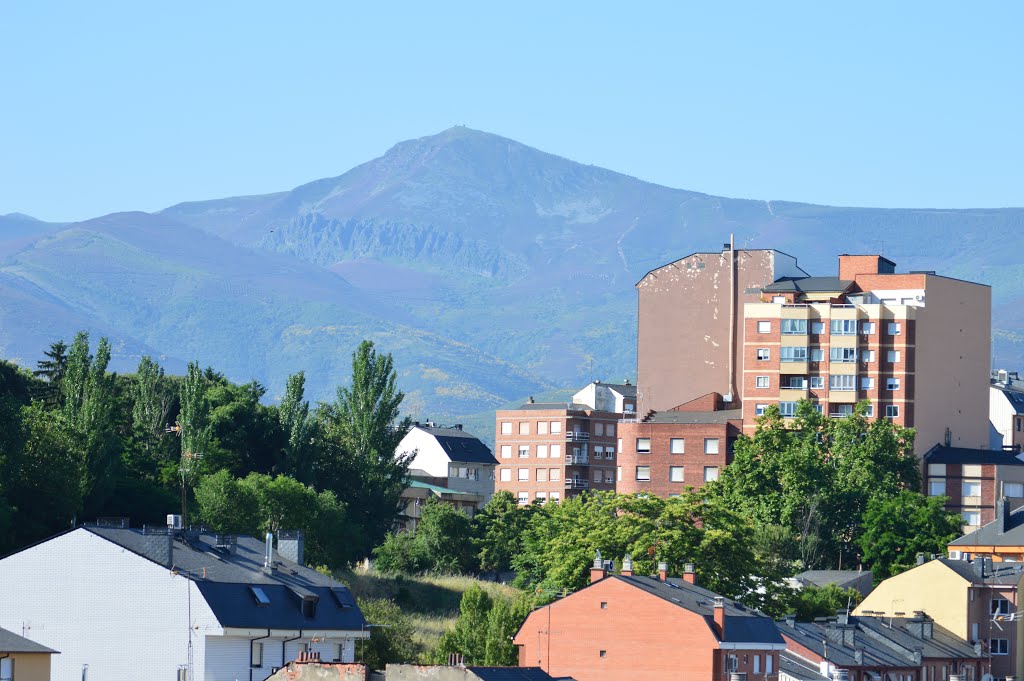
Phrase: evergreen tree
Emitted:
{"points": [[151, 399], [295, 420], [52, 370]]}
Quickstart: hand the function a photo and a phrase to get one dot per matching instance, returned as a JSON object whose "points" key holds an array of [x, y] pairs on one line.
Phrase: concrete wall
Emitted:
{"points": [[952, 364], [30, 666], [321, 672], [683, 323]]}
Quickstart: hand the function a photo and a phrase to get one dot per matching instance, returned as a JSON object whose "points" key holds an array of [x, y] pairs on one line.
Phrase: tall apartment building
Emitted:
{"points": [[754, 326], [916, 345], [550, 451]]}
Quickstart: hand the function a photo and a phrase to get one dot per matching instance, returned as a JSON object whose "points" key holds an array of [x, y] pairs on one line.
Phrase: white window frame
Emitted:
{"points": [[892, 384], [542, 451], [936, 488], [867, 328], [817, 382], [556, 451], [759, 409], [673, 449], [895, 328], [643, 473], [764, 354], [764, 327], [643, 448], [506, 427], [787, 409], [867, 382], [1013, 490], [523, 475], [762, 382], [673, 471], [892, 411], [710, 473], [711, 445], [893, 356]]}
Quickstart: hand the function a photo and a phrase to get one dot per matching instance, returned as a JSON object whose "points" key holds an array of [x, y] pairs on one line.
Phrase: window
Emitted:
{"points": [[769, 661], [842, 382], [764, 327], [506, 451], [761, 382], [542, 475], [844, 327], [523, 498], [643, 445], [643, 472], [999, 646], [892, 384], [763, 354], [603, 653], [598, 452], [710, 473], [1014, 490], [609, 430], [556, 451], [817, 327], [787, 409], [971, 488], [936, 488], [524, 427], [711, 445], [677, 445], [524, 451], [817, 407], [894, 328], [759, 409], [260, 595], [778, 299], [796, 327], [542, 496], [597, 475], [506, 427], [604, 605], [842, 354], [867, 383], [972, 518], [791, 354], [971, 470], [675, 474], [817, 382], [524, 475], [867, 328], [599, 428], [256, 654], [795, 383], [893, 356], [892, 411], [542, 451], [757, 664], [1000, 606], [556, 427], [841, 410], [554, 474], [974, 626], [867, 355], [505, 474], [817, 355], [542, 428], [936, 469], [869, 411]]}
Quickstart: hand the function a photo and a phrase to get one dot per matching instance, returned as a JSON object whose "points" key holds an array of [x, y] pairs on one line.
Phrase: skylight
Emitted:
{"points": [[260, 595]]}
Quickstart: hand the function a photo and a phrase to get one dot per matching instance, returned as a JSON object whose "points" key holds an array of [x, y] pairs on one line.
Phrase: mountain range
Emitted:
{"points": [[491, 271]]}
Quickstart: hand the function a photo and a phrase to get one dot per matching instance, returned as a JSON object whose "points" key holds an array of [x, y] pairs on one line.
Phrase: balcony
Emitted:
{"points": [[579, 460], [576, 483], [577, 436]]}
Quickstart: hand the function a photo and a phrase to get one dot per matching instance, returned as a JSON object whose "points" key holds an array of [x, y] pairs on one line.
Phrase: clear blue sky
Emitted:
{"points": [[110, 106]]}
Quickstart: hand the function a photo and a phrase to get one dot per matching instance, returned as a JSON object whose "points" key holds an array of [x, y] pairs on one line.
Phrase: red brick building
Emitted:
{"points": [[974, 480], [666, 452], [648, 628], [550, 451]]}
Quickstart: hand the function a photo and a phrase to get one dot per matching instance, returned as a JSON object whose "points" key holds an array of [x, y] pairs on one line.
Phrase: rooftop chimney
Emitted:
{"points": [[790, 620], [720, 615], [1003, 515], [663, 571], [627, 566], [158, 544], [291, 546], [688, 574], [920, 559], [597, 570], [268, 554], [858, 656]]}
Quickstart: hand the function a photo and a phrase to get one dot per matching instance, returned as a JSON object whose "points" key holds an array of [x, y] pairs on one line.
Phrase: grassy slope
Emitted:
{"points": [[431, 601]]}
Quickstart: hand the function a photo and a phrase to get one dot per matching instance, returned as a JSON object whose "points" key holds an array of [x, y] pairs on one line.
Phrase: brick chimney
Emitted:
{"points": [[689, 575], [663, 571], [720, 616], [627, 566], [597, 571], [291, 546]]}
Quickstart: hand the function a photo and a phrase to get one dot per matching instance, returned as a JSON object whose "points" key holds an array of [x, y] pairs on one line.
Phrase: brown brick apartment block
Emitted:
{"points": [[666, 452], [648, 628], [974, 480], [550, 451]]}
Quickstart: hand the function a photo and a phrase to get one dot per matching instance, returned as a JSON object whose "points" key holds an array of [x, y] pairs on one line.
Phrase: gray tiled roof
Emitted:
{"points": [[624, 389], [460, 446], [798, 668], [510, 673], [995, 573], [807, 285], [841, 578], [999, 457], [12, 643], [993, 534], [1014, 396], [695, 417], [224, 579], [742, 624]]}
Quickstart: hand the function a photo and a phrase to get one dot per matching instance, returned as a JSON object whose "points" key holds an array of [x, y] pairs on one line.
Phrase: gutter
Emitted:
{"points": [[285, 642], [261, 654]]}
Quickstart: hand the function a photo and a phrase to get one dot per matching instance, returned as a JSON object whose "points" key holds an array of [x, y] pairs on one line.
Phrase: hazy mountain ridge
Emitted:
{"points": [[490, 269]]}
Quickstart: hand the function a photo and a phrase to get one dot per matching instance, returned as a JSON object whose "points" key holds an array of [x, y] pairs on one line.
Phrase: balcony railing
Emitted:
{"points": [[579, 460], [577, 436], [576, 483]]}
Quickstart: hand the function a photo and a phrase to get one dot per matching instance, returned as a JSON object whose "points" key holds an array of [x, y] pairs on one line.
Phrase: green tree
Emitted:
{"points": [[361, 434], [52, 370], [503, 621], [444, 536], [392, 635], [399, 554], [151, 398], [897, 528], [469, 635], [298, 427], [227, 505], [822, 601], [499, 527]]}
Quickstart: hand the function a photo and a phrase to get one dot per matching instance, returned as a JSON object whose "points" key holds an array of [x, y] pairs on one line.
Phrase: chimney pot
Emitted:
{"points": [[597, 570], [627, 566], [719, 612], [689, 575], [663, 571]]}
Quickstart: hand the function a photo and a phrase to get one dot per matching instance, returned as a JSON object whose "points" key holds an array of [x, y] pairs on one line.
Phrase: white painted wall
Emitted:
{"points": [[99, 604], [432, 458], [1001, 414]]}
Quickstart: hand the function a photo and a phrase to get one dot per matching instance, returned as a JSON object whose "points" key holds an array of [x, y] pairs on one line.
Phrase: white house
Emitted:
{"points": [[154, 603], [618, 398], [1006, 410], [452, 454]]}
